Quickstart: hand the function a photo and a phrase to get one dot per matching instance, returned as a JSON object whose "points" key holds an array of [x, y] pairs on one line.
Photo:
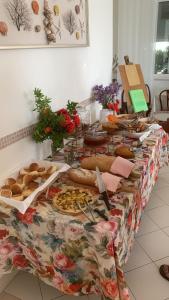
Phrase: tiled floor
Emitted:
{"points": [[151, 249]]}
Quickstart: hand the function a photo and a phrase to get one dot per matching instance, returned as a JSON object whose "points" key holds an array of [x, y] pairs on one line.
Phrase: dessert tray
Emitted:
{"points": [[22, 187]]}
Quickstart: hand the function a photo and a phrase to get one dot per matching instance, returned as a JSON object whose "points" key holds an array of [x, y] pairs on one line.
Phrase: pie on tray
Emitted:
{"points": [[67, 200]]}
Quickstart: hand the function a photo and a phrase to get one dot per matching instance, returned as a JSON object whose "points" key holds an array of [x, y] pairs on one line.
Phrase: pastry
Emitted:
{"points": [[26, 193], [16, 189], [124, 152], [5, 187], [82, 176], [18, 197], [103, 162], [33, 167], [51, 170], [28, 178], [33, 185], [10, 181], [6, 193], [41, 171], [69, 200]]}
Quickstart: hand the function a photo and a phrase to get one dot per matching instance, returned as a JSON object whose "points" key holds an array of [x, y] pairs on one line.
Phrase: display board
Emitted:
{"points": [[138, 100], [132, 79]]}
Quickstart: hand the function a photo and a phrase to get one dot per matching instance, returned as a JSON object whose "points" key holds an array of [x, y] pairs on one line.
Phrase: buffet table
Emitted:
{"points": [[70, 253]]}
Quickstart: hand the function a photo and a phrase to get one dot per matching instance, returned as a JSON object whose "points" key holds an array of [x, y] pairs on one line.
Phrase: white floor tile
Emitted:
{"points": [[154, 201], [164, 170], [163, 261], [146, 226], [166, 230], [160, 184], [164, 176], [5, 296], [147, 284], [164, 194], [24, 284], [160, 216], [131, 295], [48, 292], [155, 244], [137, 259]]}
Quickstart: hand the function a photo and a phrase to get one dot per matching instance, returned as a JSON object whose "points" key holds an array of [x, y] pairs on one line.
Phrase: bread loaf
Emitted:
{"points": [[103, 162], [124, 152], [82, 176]]}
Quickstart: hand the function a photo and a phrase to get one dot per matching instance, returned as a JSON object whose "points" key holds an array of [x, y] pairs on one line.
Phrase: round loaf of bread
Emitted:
{"points": [[82, 176], [124, 152]]}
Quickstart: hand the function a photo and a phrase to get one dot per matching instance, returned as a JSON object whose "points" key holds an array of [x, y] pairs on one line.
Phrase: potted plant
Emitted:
{"points": [[108, 97], [54, 126]]}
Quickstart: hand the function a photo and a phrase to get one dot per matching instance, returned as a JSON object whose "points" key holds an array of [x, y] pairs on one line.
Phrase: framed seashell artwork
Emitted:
{"points": [[43, 23]]}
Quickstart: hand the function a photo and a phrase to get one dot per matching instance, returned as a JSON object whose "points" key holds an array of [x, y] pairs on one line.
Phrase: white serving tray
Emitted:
{"points": [[22, 206]]}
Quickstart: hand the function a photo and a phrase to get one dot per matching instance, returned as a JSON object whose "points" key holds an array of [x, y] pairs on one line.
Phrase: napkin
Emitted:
{"points": [[122, 167], [111, 182]]}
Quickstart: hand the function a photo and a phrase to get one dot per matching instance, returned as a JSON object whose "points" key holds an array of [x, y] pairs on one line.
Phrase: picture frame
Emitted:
{"points": [[44, 24]]}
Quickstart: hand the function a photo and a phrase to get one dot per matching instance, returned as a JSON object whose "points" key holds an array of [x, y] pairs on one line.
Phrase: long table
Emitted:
{"points": [[73, 255]]}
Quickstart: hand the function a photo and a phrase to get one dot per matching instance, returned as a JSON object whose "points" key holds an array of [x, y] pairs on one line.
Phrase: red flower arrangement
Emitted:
{"points": [[54, 125]]}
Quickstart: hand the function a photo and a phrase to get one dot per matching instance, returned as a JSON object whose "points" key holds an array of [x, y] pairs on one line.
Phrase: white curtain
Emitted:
{"points": [[136, 32]]}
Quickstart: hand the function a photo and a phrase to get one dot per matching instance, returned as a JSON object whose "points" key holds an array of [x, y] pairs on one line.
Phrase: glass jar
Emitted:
{"points": [[84, 116], [73, 149]]}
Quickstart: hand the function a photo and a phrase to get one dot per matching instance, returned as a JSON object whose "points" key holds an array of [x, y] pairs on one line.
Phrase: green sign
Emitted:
{"points": [[138, 100]]}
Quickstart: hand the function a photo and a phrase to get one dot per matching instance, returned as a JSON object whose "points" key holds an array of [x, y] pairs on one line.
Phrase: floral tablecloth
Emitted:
{"points": [[70, 253]]}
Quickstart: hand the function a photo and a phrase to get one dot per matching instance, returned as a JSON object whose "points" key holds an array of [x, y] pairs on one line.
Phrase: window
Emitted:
{"points": [[162, 39]]}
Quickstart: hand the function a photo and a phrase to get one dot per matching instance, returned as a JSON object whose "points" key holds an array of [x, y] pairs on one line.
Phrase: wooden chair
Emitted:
{"points": [[166, 93], [124, 107]]}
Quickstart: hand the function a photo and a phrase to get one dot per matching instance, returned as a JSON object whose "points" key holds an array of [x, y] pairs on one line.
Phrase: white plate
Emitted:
{"points": [[22, 206]]}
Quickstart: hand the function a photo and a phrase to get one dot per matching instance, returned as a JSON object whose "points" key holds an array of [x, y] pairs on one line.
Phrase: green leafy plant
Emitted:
{"points": [[53, 125]]}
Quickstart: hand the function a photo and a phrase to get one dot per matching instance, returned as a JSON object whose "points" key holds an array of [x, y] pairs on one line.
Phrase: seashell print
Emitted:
{"points": [[3, 28], [56, 9], [37, 28], [77, 35], [35, 7], [77, 9]]}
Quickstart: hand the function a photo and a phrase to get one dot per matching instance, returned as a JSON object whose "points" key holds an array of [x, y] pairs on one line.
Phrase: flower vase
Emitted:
{"points": [[104, 113], [55, 152]]}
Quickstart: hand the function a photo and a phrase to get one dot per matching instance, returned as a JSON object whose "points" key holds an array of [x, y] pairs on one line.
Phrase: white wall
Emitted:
{"points": [[62, 74]]}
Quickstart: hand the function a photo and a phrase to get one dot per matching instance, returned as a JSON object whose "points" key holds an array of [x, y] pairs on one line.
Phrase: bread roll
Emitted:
{"points": [[103, 162], [6, 193], [33, 167], [16, 189], [18, 197], [33, 185], [26, 193], [82, 176], [10, 181], [51, 170], [124, 152]]}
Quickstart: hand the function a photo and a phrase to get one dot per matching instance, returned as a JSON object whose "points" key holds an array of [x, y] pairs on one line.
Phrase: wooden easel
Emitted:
{"points": [[132, 79]]}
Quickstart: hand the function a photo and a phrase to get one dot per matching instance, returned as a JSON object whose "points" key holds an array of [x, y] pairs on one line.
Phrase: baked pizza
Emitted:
{"points": [[72, 200]]}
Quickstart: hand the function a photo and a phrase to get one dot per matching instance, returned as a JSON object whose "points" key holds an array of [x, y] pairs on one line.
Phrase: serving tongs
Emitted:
{"points": [[91, 218]]}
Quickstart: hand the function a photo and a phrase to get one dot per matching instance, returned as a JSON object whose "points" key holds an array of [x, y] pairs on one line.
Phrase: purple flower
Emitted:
{"points": [[107, 94]]}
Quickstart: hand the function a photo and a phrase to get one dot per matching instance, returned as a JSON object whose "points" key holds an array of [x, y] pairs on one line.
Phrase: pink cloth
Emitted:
{"points": [[122, 166], [111, 182]]}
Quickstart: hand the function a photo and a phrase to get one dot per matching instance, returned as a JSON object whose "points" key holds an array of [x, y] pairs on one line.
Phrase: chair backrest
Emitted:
{"points": [[124, 107], [164, 92]]}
